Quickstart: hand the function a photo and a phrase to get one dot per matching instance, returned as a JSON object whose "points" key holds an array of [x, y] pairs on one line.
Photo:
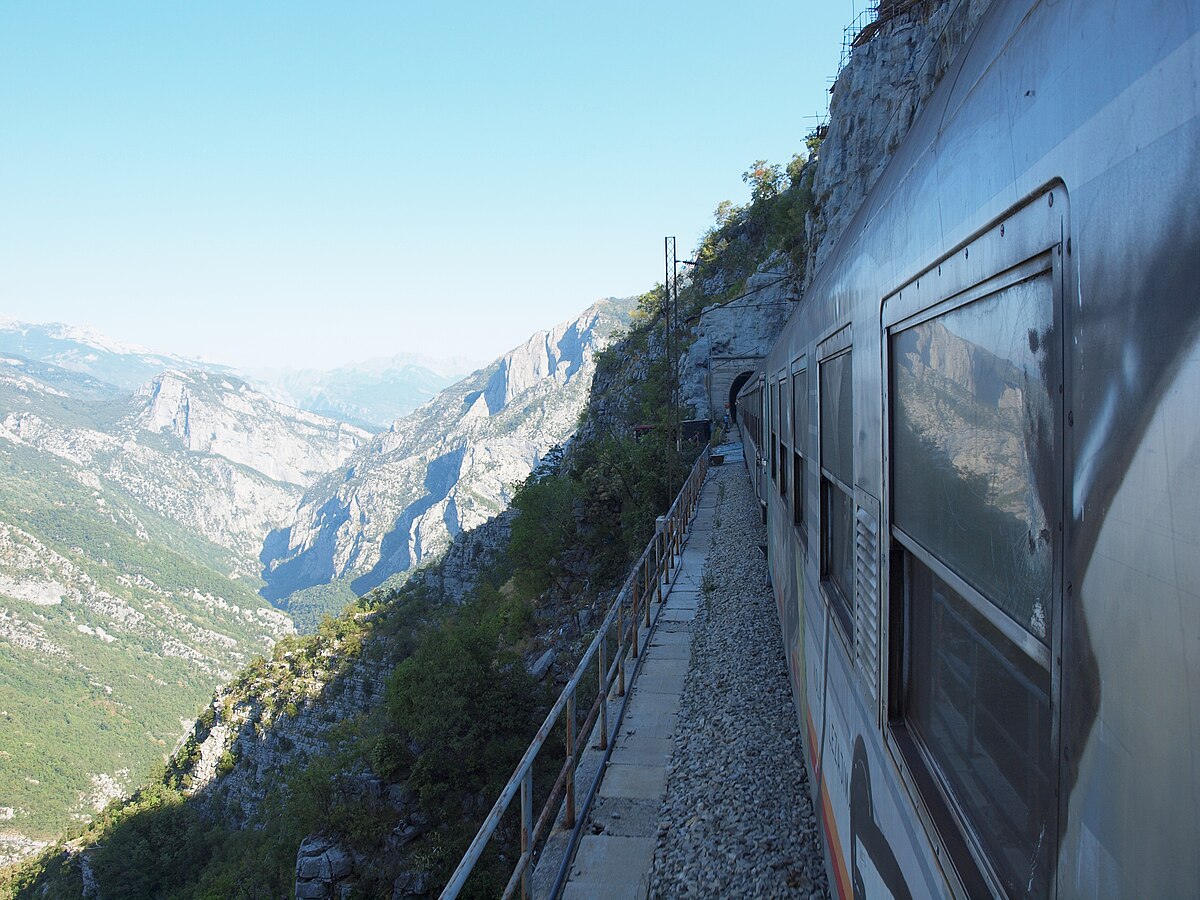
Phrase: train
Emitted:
{"points": [[976, 443]]}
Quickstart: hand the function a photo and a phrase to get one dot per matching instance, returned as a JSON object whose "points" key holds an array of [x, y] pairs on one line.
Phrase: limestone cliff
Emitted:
{"points": [[222, 416], [876, 98], [446, 468]]}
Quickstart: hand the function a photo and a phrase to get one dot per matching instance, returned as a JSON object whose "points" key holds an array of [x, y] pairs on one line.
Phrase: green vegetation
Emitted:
{"points": [[445, 725], [745, 236], [83, 702], [309, 606]]}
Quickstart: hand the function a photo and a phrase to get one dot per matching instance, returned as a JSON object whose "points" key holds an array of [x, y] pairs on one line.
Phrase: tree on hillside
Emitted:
{"points": [[766, 180]]}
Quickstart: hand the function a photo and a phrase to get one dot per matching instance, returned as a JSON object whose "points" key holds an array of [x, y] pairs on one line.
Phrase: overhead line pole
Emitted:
{"points": [[670, 314]]}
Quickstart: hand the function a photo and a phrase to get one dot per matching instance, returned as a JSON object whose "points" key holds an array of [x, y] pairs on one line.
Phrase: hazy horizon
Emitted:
{"points": [[311, 185]]}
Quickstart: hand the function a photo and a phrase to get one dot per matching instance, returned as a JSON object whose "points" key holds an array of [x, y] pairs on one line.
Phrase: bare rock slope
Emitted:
{"points": [[446, 468]]}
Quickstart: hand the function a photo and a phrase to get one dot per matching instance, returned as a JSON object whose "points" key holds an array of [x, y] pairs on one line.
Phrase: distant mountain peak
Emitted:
{"points": [[219, 414], [444, 468]]}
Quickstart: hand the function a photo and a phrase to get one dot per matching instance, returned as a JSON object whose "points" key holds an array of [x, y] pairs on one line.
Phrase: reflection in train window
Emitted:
{"points": [[973, 445], [975, 489], [785, 410], [800, 432], [773, 413], [837, 485]]}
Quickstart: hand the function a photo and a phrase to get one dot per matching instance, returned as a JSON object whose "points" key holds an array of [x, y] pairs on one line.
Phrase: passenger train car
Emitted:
{"points": [[977, 443]]}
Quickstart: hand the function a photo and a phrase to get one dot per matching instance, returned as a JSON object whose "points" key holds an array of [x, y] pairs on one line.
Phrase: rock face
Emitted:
{"points": [[322, 868], [279, 714], [201, 449], [222, 416], [468, 554], [445, 468], [875, 100], [732, 339]]}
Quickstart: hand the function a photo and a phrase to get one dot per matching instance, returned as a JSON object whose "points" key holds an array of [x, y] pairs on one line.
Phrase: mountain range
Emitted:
{"points": [[160, 516], [370, 394], [443, 469]]}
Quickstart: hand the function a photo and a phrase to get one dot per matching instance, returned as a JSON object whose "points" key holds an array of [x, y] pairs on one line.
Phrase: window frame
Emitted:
{"points": [[840, 602], [784, 395], [800, 435], [985, 264], [773, 415]]}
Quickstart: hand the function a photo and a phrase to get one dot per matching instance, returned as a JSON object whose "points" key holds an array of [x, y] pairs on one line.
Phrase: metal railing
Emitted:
{"points": [[643, 587]]}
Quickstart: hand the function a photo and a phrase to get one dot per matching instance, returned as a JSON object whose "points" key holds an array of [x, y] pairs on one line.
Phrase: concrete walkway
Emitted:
{"points": [[617, 850]]}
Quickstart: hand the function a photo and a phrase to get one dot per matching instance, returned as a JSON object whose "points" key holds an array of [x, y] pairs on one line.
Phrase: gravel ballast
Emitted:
{"points": [[737, 820]]}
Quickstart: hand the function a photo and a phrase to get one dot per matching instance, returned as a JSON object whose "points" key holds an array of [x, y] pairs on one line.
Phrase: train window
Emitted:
{"points": [[974, 513], [973, 446], [800, 432], [785, 411], [773, 392], [837, 485]]}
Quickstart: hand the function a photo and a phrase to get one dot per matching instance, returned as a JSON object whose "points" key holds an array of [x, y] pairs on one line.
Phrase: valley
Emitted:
{"points": [[140, 514]]}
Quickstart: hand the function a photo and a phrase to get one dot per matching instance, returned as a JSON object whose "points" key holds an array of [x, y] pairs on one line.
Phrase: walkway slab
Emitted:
{"points": [[625, 816], [681, 650], [679, 615], [617, 849], [603, 866], [663, 666], [646, 781], [643, 751]]}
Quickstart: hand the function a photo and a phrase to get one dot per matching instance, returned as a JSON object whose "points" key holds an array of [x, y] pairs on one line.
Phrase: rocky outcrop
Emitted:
{"points": [[472, 552], [875, 100], [447, 468], [275, 715], [221, 416], [202, 450], [322, 870], [732, 339]]}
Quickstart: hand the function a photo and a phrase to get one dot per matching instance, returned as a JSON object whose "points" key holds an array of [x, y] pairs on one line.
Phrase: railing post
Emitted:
{"points": [[526, 829], [659, 574], [621, 651], [602, 672], [569, 818], [621, 675], [634, 621]]}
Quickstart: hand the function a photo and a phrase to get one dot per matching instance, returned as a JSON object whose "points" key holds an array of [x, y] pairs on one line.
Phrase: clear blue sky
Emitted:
{"points": [[312, 183]]}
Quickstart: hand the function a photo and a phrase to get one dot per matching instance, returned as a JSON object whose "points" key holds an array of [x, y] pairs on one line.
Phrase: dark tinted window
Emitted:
{"points": [[981, 707], [785, 408], [799, 442], [837, 486], [800, 410], [837, 418], [773, 392]]}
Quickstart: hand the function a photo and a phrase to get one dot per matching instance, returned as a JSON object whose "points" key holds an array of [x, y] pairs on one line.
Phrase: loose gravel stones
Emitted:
{"points": [[737, 820]]}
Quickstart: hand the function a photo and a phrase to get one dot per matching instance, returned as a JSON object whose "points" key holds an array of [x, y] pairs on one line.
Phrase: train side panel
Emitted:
{"points": [[980, 463]]}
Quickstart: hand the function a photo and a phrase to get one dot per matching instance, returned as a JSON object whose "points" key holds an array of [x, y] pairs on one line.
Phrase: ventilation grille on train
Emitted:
{"points": [[866, 594]]}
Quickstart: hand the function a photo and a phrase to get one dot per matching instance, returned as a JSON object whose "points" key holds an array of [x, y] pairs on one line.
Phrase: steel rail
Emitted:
{"points": [[662, 549]]}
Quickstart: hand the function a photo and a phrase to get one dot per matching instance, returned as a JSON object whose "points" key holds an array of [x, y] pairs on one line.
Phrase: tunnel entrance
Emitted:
{"points": [[733, 392]]}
